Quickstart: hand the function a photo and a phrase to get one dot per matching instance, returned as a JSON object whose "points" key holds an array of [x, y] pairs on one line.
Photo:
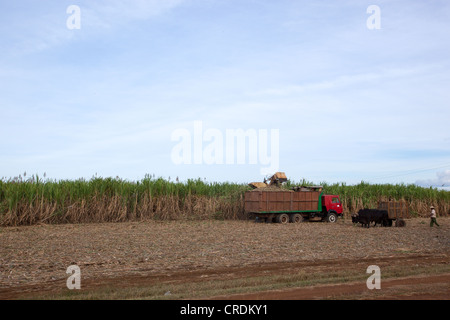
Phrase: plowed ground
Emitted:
{"points": [[226, 260]]}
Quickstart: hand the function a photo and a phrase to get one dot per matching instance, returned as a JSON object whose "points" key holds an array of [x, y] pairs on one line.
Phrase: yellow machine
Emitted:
{"points": [[276, 180]]}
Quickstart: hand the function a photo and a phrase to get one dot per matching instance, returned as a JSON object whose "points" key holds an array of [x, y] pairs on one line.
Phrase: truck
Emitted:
{"points": [[299, 204]]}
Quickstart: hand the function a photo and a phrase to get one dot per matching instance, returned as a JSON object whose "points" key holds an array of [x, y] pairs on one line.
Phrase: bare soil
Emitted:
{"points": [[34, 260]]}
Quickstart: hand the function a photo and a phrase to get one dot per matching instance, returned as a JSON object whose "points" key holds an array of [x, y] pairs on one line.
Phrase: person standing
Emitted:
{"points": [[433, 217]]}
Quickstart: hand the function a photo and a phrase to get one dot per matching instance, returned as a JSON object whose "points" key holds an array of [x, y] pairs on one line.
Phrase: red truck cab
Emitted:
{"points": [[332, 205]]}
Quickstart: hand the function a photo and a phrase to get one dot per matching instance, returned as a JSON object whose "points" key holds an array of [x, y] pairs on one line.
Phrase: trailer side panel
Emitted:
{"points": [[395, 209], [282, 201]]}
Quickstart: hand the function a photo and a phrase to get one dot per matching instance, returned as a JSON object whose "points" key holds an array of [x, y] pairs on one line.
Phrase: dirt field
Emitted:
{"points": [[226, 259]]}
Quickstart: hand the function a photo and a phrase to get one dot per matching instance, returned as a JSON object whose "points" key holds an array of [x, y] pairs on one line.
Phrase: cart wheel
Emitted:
{"points": [[400, 223], [282, 218]]}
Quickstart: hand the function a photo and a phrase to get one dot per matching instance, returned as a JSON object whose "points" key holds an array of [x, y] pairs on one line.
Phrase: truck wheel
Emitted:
{"points": [[296, 218], [331, 217], [282, 218]]}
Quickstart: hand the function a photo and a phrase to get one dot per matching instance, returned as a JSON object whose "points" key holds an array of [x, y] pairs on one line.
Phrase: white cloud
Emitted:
{"points": [[46, 27], [442, 180], [116, 12], [339, 82], [36, 33], [136, 70]]}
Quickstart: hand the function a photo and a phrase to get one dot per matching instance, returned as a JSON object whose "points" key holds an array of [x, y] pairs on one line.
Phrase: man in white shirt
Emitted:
{"points": [[433, 217]]}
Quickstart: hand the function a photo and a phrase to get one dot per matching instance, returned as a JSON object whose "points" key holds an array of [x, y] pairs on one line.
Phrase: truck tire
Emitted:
{"points": [[282, 218], [296, 218], [269, 218], [331, 217]]}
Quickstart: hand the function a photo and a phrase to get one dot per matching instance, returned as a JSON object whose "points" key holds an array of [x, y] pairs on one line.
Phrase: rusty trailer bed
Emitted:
{"points": [[264, 202]]}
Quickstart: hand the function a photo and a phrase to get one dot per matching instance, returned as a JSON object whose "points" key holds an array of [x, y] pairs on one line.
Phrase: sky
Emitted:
{"points": [[159, 87]]}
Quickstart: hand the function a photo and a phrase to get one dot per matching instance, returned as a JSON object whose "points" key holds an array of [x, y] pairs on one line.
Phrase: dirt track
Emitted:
{"points": [[34, 259]]}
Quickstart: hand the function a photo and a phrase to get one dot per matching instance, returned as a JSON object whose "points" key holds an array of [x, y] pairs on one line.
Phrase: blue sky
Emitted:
{"points": [[350, 103]]}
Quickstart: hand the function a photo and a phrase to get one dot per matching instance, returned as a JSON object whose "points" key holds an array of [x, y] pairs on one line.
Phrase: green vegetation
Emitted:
{"points": [[34, 200]]}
